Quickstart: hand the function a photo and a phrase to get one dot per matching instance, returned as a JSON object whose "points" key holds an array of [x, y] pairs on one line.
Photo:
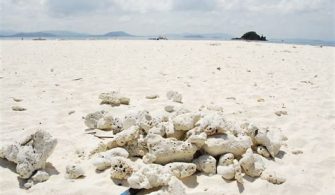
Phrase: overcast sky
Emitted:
{"points": [[312, 19]]}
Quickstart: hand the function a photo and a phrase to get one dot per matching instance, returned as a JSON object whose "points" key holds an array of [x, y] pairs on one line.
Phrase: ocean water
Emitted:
{"points": [[279, 41]]}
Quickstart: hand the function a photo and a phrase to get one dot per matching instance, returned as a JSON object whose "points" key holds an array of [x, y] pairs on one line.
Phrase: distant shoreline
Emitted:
{"points": [[289, 41]]}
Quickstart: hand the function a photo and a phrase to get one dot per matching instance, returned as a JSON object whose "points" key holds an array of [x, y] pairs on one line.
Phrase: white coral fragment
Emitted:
{"points": [[263, 151], [150, 176], [163, 150], [252, 164], [220, 144], [174, 186], [174, 96], [113, 98], [229, 168], [197, 137], [214, 123], [74, 171], [91, 119], [124, 137], [185, 122], [103, 159], [272, 177], [121, 168], [206, 164], [31, 154], [181, 170], [272, 140], [40, 176], [137, 147], [169, 108]]}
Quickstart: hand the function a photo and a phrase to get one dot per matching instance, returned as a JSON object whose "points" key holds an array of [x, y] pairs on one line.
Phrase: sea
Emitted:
{"points": [[279, 41]]}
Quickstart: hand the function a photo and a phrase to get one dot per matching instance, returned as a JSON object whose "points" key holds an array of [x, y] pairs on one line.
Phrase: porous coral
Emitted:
{"points": [[229, 168], [181, 170], [31, 153], [206, 163], [113, 98], [226, 143], [103, 159], [162, 150], [74, 171], [150, 176], [121, 168], [213, 123], [252, 164], [270, 139]]}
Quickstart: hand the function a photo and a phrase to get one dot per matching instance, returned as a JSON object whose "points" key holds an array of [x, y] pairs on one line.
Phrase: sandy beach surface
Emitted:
{"points": [[59, 82]]}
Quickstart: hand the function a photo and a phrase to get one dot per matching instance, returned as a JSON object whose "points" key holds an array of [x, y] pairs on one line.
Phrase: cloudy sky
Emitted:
{"points": [[312, 19]]}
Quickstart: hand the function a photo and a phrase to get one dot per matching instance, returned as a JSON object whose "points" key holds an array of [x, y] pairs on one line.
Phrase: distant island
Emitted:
{"points": [[251, 36], [47, 34], [118, 34], [32, 34]]}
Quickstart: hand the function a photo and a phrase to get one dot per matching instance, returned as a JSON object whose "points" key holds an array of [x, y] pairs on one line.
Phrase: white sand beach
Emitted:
{"points": [[59, 83]]}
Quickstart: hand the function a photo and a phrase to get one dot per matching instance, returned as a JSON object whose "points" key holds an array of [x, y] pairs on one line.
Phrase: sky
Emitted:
{"points": [[305, 19]]}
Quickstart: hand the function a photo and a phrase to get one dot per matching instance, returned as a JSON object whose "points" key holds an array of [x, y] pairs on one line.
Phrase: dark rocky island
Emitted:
{"points": [[251, 36]]}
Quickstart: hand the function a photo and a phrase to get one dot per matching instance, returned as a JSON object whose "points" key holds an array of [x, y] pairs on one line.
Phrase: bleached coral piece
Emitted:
{"points": [[272, 140], [74, 171], [91, 119], [170, 132], [163, 150], [197, 137], [97, 147], [28, 184], [169, 108], [252, 164], [101, 163], [220, 144], [103, 159], [226, 159], [185, 122], [125, 136], [227, 171], [229, 168], [150, 176], [211, 107], [124, 100], [121, 168], [137, 147], [108, 122], [174, 96], [182, 170], [114, 152], [214, 123], [30, 154], [40, 176], [145, 121], [272, 177], [238, 171], [152, 96], [175, 187], [105, 123], [113, 98], [160, 130], [263, 151], [206, 164]]}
